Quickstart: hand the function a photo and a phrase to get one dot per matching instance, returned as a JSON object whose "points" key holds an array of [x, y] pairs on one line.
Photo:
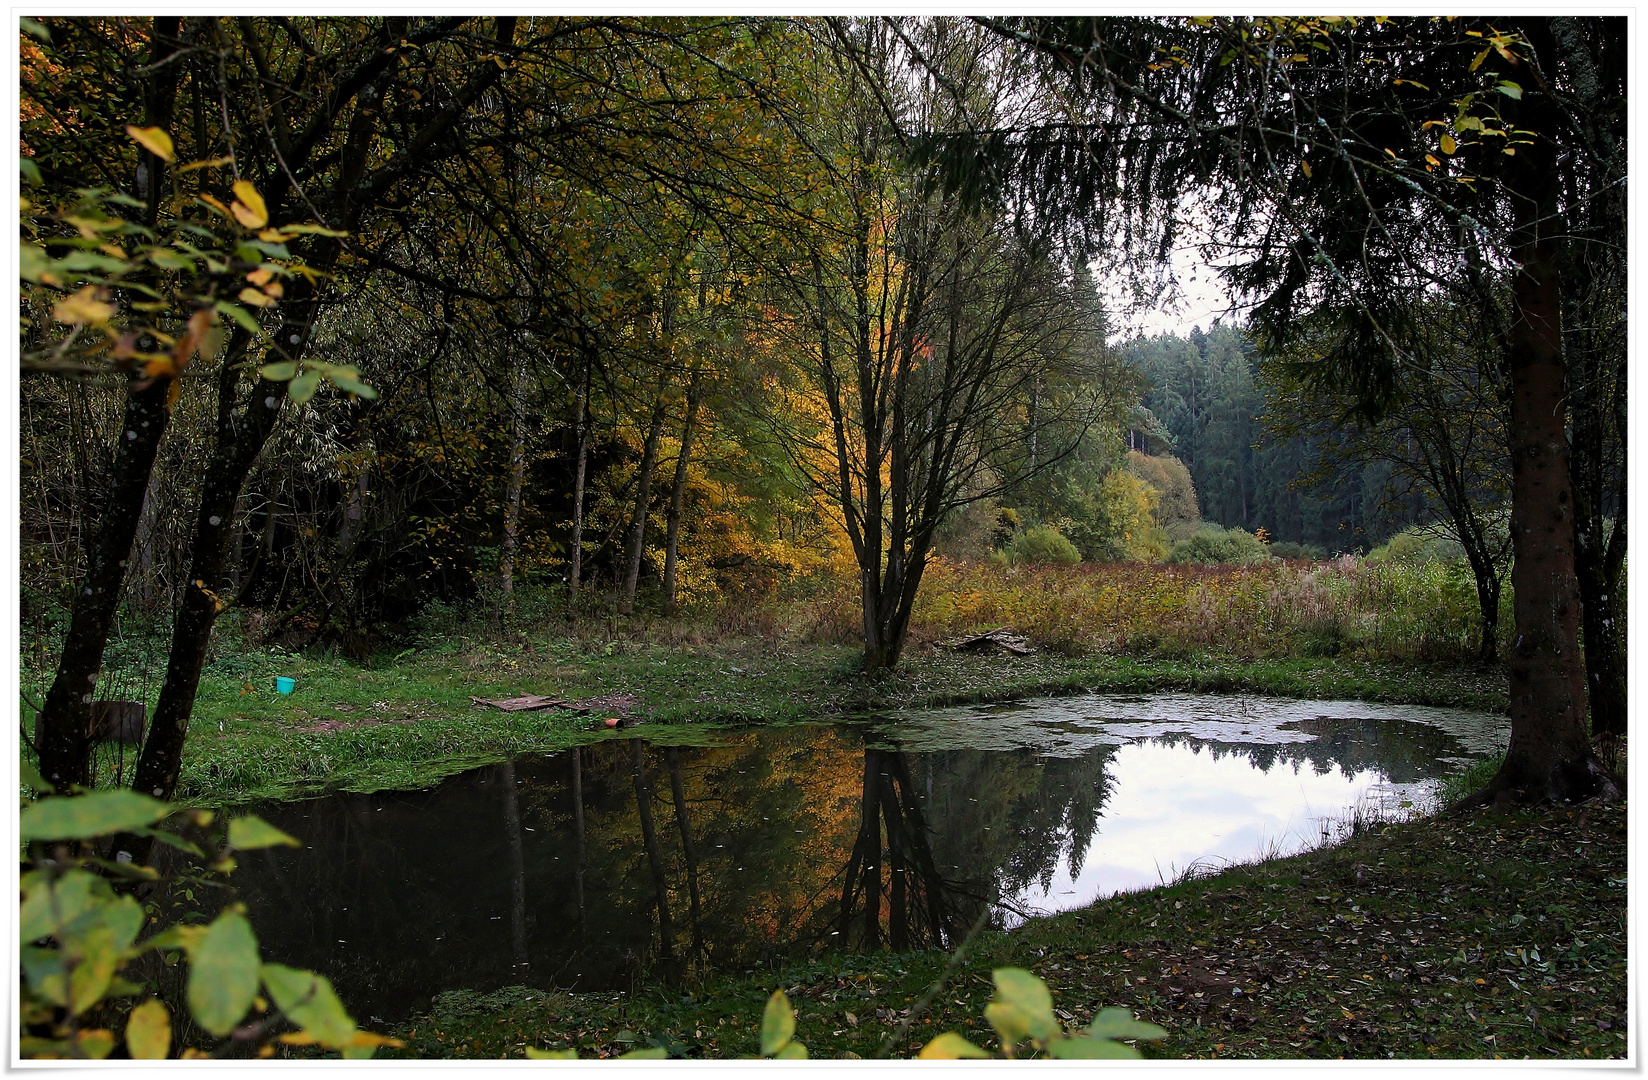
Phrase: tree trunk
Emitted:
{"points": [[242, 431], [678, 491], [1550, 755], [237, 447], [643, 498], [870, 832], [580, 837], [575, 566], [62, 729], [655, 859], [672, 758], [512, 499], [517, 867]]}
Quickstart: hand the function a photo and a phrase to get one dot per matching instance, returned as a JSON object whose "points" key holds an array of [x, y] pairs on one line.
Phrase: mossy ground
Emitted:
{"points": [[406, 721], [1479, 936]]}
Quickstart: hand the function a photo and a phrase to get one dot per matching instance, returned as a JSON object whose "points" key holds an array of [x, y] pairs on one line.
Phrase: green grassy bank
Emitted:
{"points": [[406, 721], [1478, 936]]}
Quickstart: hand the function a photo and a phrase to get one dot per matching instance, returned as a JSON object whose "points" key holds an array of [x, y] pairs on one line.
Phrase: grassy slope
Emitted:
{"points": [[1470, 937], [407, 723]]}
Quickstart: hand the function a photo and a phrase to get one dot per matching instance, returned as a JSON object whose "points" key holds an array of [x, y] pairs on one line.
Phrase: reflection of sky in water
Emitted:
{"points": [[1170, 806]]}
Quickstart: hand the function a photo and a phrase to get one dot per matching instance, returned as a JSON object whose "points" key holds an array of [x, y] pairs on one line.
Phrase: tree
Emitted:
{"points": [[922, 331], [1362, 163], [1448, 441]]}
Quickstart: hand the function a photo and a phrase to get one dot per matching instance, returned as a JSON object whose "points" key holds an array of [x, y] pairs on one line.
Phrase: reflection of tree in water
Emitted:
{"points": [[1405, 751], [1059, 818], [944, 834], [912, 904]]}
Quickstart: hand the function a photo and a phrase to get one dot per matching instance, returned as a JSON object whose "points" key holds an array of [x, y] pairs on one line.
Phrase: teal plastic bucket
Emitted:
{"points": [[285, 685]]}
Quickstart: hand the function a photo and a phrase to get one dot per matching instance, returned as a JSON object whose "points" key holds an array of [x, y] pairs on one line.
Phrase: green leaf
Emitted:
{"points": [[1510, 89], [96, 954], [167, 259], [311, 1002], [777, 1024], [178, 936], [171, 840], [1120, 1024], [26, 165], [353, 386], [32, 264], [240, 315], [251, 831], [43, 971], [648, 1053], [312, 230], [84, 261], [302, 388], [149, 1031], [96, 1044], [30, 776], [1018, 990], [1087, 1048], [80, 817], [35, 30], [536, 1054], [950, 1046], [791, 1051], [223, 973], [267, 247]]}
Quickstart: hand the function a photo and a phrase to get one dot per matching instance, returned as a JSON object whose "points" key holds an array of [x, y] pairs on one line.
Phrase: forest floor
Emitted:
{"points": [[407, 721], [1471, 936]]}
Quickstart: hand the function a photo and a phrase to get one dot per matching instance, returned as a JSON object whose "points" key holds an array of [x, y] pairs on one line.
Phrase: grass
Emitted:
{"points": [[1478, 936], [406, 721]]}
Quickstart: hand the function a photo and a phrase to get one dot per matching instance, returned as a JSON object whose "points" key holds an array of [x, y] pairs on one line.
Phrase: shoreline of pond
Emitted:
{"points": [[1465, 936], [412, 722]]}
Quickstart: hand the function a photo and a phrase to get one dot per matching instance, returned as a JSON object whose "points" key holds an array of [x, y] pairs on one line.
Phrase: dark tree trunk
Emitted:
{"points": [[1596, 393], [1550, 756], [579, 833], [643, 500], [672, 758], [655, 859], [869, 831], [239, 440], [678, 491], [243, 430], [575, 567], [62, 732], [517, 866], [512, 497]]}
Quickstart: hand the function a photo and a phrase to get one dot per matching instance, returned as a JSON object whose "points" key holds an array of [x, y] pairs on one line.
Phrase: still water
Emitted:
{"points": [[633, 858]]}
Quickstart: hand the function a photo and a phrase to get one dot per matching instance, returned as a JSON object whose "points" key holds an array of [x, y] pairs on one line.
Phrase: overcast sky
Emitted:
{"points": [[1202, 297]]}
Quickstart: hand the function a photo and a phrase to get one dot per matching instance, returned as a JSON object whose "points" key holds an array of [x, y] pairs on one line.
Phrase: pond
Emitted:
{"points": [[633, 858]]}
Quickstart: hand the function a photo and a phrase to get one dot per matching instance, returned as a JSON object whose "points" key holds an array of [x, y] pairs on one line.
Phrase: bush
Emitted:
{"points": [[1041, 545], [1214, 546], [1287, 549], [1419, 544]]}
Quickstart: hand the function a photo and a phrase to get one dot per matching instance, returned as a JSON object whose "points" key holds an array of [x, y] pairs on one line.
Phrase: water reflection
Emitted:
{"points": [[626, 859]]}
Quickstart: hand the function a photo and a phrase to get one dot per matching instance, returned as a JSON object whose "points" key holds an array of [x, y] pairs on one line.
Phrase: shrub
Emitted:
{"points": [[1041, 545], [1213, 546], [1419, 544], [1287, 549]]}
